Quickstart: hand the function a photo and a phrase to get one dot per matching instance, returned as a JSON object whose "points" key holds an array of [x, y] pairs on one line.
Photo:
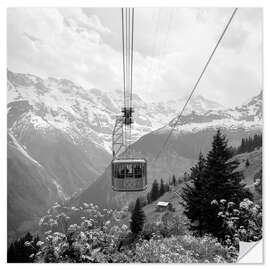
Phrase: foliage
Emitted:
{"points": [[193, 196], [137, 218], [20, 250], [92, 241], [157, 191], [154, 193], [216, 178], [247, 163], [186, 177], [174, 180], [182, 249], [249, 144], [101, 237], [242, 222], [170, 224], [258, 181], [161, 188]]}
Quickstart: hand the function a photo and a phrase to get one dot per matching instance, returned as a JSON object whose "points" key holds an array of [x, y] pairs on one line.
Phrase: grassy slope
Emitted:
{"points": [[255, 159]]}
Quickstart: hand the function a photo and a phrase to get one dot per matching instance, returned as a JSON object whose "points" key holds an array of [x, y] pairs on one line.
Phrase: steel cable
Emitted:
{"points": [[196, 84]]}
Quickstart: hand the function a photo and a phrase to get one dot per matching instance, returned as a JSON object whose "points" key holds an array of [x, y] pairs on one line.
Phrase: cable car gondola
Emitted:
{"points": [[128, 173]]}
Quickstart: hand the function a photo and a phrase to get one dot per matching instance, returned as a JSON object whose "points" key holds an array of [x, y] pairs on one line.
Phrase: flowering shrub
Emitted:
{"points": [[169, 225], [182, 249], [241, 222], [100, 236], [91, 241]]}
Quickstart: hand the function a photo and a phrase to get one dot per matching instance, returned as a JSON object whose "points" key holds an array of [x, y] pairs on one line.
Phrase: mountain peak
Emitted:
{"points": [[67, 105]]}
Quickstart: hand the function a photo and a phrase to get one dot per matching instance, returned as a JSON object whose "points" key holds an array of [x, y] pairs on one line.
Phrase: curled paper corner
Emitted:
{"points": [[250, 252]]}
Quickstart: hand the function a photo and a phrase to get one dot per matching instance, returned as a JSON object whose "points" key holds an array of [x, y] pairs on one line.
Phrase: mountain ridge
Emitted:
{"points": [[62, 132]]}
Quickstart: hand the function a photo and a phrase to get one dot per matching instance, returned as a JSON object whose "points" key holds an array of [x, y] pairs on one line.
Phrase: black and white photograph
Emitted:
{"points": [[134, 134]]}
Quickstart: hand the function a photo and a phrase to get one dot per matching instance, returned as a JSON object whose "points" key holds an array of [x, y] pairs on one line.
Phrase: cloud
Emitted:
{"points": [[70, 45], [171, 47]]}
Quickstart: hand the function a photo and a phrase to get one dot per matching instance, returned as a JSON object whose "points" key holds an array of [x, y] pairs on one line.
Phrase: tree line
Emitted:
{"points": [[18, 252], [212, 179], [249, 144]]}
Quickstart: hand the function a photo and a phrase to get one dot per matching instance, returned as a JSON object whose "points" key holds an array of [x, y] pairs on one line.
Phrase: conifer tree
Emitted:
{"points": [[193, 196], [214, 179], [137, 218], [174, 180], [19, 252], [222, 181], [154, 193], [161, 188], [148, 197], [249, 144]]}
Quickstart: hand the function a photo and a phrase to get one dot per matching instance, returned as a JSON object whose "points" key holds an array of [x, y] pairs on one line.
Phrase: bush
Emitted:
{"points": [[23, 249], [94, 240], [169, 225], [137, 218], [241, 222], [183, 249], [101, 237]]}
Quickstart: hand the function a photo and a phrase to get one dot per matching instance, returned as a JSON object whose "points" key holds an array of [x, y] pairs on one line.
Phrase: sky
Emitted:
{"points": [[171, 46]]}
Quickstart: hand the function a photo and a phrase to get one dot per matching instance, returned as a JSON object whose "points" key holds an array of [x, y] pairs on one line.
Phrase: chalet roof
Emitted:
{"points": [[129, 161], [162, 204]]}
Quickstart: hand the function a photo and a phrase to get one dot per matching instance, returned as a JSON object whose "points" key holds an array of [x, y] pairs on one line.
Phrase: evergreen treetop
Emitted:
{"points": [[162, 188], [137, 218], [213, 179], [154, 193]]}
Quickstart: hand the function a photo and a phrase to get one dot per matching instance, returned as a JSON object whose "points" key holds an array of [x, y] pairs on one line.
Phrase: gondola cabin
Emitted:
{"points": [[129, 175]]}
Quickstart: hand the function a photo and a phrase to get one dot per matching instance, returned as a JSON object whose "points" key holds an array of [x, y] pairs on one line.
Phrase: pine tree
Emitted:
{"points": [[193, 196], [18, 252], [137, 218], [222, 181], [213, 179], [154, 193], [161, 188], [247, 163], [148, 197], [174, 180], [249, 144]]}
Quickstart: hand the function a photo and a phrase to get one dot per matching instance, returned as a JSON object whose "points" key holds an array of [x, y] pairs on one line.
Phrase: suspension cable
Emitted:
{"points": [[196, 84], [131, 72], [131, 75], [127, 44], [124, 58]]}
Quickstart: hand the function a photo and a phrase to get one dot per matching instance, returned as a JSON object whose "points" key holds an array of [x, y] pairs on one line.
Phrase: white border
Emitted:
{"points": [[110, 3]]}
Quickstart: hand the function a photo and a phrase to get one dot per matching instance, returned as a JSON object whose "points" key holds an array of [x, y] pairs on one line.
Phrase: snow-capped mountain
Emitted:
{"points": [[46, 113], [192, 135], [61, 104], [59, 138], [248, 116]]}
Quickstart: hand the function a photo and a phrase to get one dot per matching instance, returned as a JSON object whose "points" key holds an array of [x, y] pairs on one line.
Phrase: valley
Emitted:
{"points": [[59, 139]]}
